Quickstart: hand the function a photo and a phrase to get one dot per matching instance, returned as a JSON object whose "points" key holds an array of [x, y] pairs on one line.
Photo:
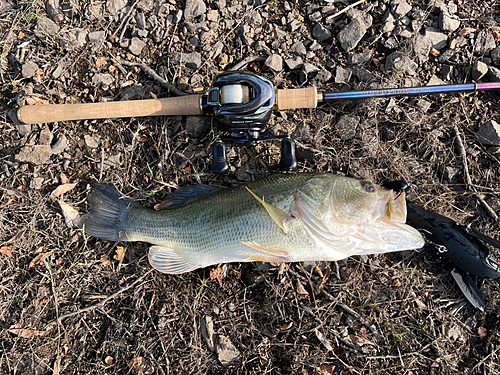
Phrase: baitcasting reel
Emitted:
{"points": [[242, 103]]}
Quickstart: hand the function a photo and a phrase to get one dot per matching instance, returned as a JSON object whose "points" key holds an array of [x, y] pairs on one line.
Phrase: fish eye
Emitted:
{"points": [[368, 186]]}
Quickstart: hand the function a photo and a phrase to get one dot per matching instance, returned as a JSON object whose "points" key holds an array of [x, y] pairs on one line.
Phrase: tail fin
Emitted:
{"points": [[108, 212]]}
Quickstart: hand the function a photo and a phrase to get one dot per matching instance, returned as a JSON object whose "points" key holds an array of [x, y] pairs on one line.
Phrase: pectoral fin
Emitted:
{"points": [[267, 255], [278, 216], [166, 260]]}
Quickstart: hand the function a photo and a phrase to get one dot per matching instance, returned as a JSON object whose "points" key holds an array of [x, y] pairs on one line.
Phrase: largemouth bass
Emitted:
{"points": [[281, 218]]}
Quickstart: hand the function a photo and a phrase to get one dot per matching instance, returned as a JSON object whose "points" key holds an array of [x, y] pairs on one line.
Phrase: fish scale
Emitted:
{"points": [[318, 217]]}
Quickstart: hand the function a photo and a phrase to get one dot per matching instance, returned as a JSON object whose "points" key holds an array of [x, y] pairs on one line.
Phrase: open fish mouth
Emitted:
{"points": [[396, 207]]}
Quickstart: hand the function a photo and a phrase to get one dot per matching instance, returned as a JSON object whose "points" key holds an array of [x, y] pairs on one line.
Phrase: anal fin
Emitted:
{"points": [[166, 260], [266, 255], [278, 216]]}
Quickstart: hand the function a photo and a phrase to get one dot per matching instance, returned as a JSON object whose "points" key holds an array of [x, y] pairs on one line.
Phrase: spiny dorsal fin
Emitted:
{"points": [[186, 194], [278, 216]]}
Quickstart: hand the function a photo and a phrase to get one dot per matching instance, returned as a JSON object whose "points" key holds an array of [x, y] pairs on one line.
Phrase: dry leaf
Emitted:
{"points": [[325, 370], [434, 52], [17, 236], [466, 31], [120, 253], [105, 260], [353, 339], [323, 340], [26, 333], [40, 259], [218, 273], [324, 279], [61, 189], [483, 332], [396, 283], [286, 326], [100, 62], [137, 364], [112, 68], [282, 268], [6, 250], [71, 216], [301, 291]]}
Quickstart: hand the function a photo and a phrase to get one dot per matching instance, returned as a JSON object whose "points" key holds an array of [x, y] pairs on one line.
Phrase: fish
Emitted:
{"points": [[281, 218]]}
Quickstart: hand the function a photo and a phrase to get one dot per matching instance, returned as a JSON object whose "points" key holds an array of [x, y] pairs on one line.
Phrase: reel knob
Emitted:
{"points": [[288, 160], [220, 158]]}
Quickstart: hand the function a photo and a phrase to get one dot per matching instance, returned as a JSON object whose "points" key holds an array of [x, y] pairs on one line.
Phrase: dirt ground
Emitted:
{"points": [[72, 304]]}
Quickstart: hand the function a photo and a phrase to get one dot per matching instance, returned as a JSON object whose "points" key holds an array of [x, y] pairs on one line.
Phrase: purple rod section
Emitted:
{"points": [[409, 91]]}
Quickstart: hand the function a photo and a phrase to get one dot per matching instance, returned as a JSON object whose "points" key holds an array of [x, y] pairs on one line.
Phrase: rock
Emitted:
{"points": [[52, 8], [197, 126], [484, 42], [435, 81], [350, 36], [321, 33], [359, 58], [342, 75], [23, 129], [96, 36], [422, 47], [60, 145], [102, 79], [294, 62], [391, 43], [140, 20], [114, 6], [191, 60], [493, 74], [323, 75], [489, 133], [446, 72], [46, 30], [73, 39], [226, 351], [479, 70], [193, 9], [29, 69], [207, 332], [364, 75], [136, 46], [439, 40], [447, 22], [449, 56], [309, 68], [495, 56], [45, 136], [298, 48], [145, 5], [92, 141], [346, 126], [423, 105], [273, 62], [397, 61], [34, 154], [390, 22], [36, 183], [400, 8], [114, 162], [242, 174]]}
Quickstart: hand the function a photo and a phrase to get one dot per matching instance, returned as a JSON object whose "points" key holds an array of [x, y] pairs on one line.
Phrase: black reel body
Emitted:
{"points": [[242, 104]]}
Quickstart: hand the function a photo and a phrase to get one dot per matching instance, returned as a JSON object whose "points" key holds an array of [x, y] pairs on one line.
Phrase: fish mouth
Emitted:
{"points": [[391, 207]]}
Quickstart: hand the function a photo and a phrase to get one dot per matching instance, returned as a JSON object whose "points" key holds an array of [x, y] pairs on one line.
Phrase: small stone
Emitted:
{"points": [[226, 351], [197, 126], [342, 75], [193, 9], [495, 56], [323, 75], [400, 8], [114, 6], [114, 162], [439, 40], [359, 58], [36, 183], [191, 60], [294, 62], [423, 105], [391, 43], [308, 68], [60, 145], [435, 81], [422, 47], [390, 22], [484, 42], [29, 69], [34, 154], [96, 36], [399, 62], [273, 62], [493, 74], [140, 20], [479, 70], [298, 48], [74, 39], [45, 136], [321, 33], [449, 56], [102, 79], [346, 126], [46, 30], [136, 46], [242, 174], [447, 22], [351, 35], [446, 72], [489, 133], [92, 141], [364, 75]]}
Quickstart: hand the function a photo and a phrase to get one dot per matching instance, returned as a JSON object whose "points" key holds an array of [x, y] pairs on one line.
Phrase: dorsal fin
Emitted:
{"points": [[186, 194], [278, 216]]}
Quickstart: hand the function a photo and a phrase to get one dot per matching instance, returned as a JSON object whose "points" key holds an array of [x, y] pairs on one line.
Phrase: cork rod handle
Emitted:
{"points": [[296, 98], [39, 114]]}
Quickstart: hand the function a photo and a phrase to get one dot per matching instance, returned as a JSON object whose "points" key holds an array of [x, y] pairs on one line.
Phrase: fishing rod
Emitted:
{"points": [[241, 104]]}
